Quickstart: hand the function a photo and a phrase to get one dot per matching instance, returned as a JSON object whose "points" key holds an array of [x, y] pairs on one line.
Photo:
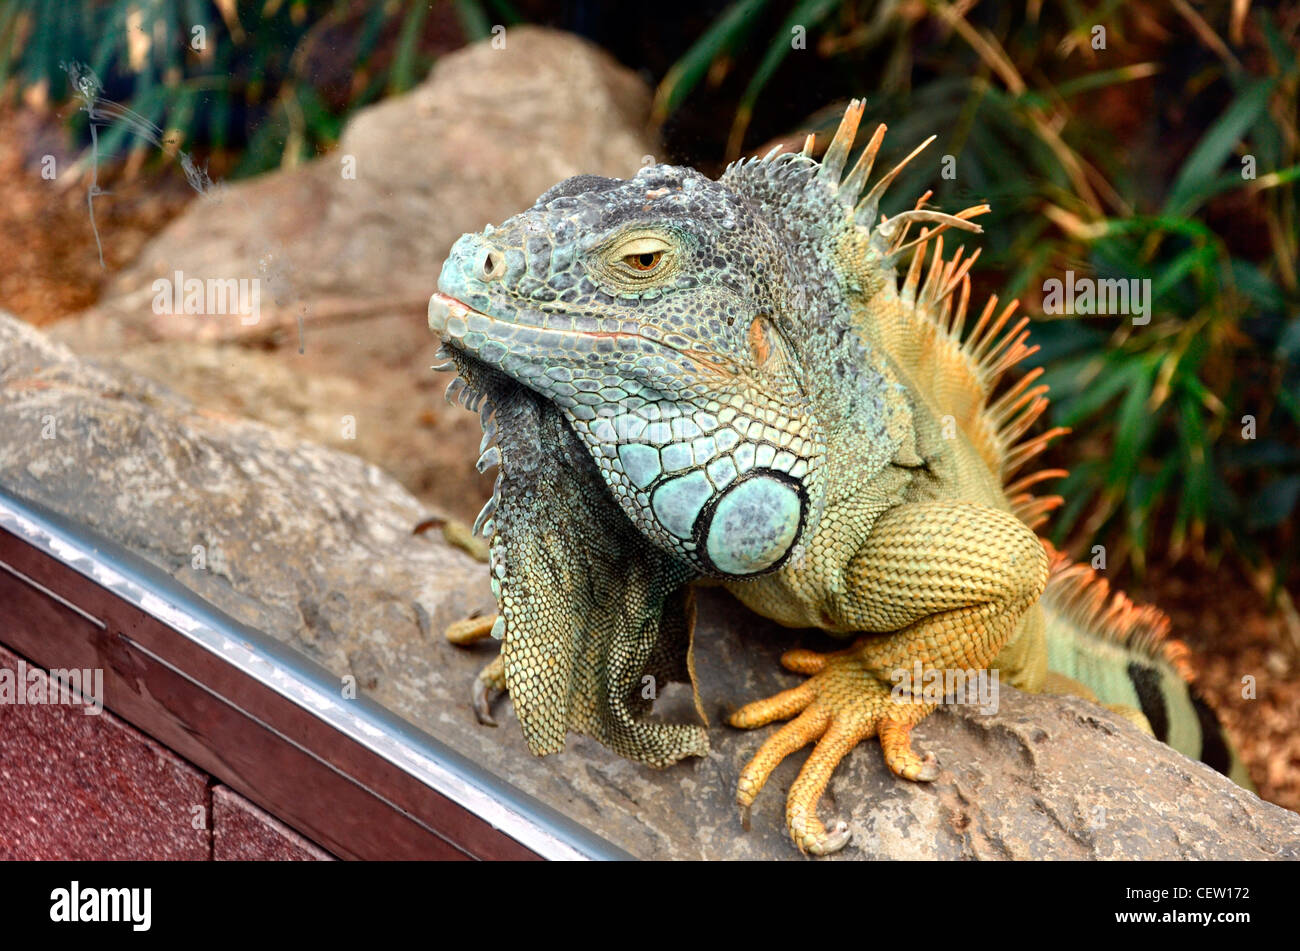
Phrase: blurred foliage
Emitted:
{"points": [[1120, 162], [272, 80]]}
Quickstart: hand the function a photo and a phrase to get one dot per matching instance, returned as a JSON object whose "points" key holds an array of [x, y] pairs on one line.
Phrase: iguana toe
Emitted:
{"points": [[896, 742], [470, 629], [489, 685], [795, 735], [782, 706], [812, 838], [804, 661]]}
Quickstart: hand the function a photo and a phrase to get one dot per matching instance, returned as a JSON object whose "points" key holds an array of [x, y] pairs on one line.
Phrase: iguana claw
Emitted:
{"points": [[813, 839], [488, 687], [471, 629]]}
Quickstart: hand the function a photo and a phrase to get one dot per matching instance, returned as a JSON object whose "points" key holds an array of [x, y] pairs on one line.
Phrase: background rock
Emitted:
{"points": [[317, 551], [357, 258]]}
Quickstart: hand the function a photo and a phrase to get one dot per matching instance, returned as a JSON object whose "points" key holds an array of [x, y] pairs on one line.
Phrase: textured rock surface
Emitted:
{"points": [[286, 528], [317, 551], [357, 257]]}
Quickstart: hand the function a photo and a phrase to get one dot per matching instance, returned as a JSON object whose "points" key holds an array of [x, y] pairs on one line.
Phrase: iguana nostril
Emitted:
{"points": [[491, 265]]}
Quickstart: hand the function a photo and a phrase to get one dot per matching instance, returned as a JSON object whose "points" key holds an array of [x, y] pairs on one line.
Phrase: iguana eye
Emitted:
{"points": [[645, 261], [641, 257]]}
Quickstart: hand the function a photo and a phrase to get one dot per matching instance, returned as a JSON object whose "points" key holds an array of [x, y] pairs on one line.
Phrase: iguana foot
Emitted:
{"points": [[842, 703], [490, 683], [470, 629], [455, 533]]}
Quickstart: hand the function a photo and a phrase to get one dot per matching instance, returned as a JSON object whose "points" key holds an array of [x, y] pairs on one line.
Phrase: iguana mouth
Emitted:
{"points": [[445, 309], [451, 317], [488, 337]]}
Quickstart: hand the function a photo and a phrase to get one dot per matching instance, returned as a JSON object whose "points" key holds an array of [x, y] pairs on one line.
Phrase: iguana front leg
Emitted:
{"points": [[951, 581]]}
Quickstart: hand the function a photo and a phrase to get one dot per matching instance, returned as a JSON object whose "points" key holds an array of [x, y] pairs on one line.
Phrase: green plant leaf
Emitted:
{"points": [[1288, 343], [1078, 490], [1133, 425], [403, 75], [1121, 371], [726, 32], [806, 14], [1281, 50], [506, 11], [473, 19], [1088, 82], [1197, 180]]}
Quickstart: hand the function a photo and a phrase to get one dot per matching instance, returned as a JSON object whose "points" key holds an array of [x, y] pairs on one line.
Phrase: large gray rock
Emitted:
{"points": [[317, 551], [356, 258]]}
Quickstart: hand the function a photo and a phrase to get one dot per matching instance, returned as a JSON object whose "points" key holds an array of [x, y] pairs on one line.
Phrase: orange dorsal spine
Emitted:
{"points": [[922, 324]]}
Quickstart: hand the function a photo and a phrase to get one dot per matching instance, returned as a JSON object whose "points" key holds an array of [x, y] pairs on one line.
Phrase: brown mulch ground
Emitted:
{"points": [[1233, 634], [49, 268]]}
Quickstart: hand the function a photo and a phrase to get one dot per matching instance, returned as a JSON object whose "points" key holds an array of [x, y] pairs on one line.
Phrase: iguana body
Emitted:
{"points": [[724, 379]]}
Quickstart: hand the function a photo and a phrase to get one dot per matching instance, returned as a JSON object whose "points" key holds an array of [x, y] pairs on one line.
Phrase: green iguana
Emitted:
{"points": [[684, 379]]}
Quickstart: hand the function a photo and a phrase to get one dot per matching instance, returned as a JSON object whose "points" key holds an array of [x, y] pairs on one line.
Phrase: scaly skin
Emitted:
{"points": [[723, 379], [949, 608]]}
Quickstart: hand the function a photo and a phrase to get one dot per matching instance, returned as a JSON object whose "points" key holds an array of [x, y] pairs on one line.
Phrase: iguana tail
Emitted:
{"points": [[1123, 654]]}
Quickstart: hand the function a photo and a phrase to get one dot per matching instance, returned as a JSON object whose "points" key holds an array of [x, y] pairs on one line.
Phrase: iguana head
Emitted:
{"points": [[659, 313], [696, 334]]}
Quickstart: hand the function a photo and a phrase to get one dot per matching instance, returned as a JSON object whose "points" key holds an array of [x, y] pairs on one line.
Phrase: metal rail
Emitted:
{"points": [[259, 716]]}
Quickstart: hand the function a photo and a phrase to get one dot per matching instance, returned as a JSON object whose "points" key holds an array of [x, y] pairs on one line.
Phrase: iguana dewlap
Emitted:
{"points": [[684, 378]]}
